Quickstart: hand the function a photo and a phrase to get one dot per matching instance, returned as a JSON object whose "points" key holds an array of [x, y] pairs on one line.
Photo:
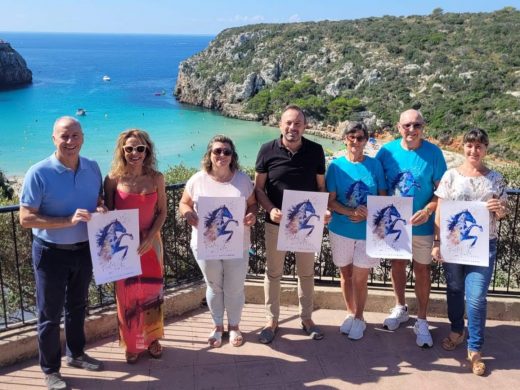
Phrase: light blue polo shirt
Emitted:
{"points": [[413, 173], [58, 191], [353, 182]]}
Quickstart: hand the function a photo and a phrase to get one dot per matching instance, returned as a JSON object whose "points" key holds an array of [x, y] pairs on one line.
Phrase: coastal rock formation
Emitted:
{"points": [[460, 69], [13, 69], [198, 84]]}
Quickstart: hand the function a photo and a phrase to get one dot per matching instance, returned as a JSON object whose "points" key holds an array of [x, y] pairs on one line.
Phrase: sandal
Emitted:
{"points": [[155, 349], [267, 335], [450, 343], [477, 365], [215, 338], [131, 358], [235, 338], [313, 331]]}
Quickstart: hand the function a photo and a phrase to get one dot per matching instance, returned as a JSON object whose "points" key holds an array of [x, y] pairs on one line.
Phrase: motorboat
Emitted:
{"points": [[106, 78], [81, 112], [160, 93]]}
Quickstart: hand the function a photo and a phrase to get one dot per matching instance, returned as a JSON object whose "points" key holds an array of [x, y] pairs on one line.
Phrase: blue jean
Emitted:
{"points": [[225, 287], [62, 281], [473, 282]]}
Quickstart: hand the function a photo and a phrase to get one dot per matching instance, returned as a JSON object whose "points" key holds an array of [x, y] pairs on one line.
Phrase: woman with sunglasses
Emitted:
{"points": [[467, 285], [220, 177], [350, 179], [135, 183]]}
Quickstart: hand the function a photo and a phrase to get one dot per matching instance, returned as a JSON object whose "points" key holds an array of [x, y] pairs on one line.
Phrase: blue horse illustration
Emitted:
{"points": [[216, 223], [385, 221], [357, 194], [459, 227], [108, 240], [404, 183], [299, 216]]}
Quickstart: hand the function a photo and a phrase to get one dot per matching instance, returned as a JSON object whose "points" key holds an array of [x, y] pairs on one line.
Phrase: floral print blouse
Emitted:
{"points": [[455, 186]]}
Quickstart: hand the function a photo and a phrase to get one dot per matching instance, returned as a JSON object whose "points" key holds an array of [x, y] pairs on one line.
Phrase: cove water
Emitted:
{"points": [[68, 72]]}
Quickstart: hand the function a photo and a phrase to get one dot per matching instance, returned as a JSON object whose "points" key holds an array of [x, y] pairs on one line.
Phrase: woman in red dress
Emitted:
{"points": [[135, 183]]}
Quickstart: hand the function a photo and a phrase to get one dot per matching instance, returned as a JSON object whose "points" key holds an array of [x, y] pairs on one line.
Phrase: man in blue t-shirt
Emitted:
{"points": [[413, 167], [58, 196]]}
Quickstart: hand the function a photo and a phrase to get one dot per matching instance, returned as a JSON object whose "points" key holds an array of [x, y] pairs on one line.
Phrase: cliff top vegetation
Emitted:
{"points": [[460, 70]]}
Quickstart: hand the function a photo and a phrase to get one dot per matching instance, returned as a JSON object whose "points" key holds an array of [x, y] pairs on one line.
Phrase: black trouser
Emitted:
{"points": [[62, 280]]}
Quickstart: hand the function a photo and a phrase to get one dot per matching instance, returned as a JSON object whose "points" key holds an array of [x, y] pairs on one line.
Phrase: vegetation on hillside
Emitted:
{"points": [[460, 70]]}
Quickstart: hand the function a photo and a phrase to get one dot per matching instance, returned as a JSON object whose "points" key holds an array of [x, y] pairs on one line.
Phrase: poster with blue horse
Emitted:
{"points": [[221, 229], [389, 232], [301, 228], [114, 239], [464, 232]]}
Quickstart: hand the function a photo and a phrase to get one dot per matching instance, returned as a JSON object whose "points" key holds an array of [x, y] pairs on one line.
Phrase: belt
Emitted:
{"points": [[65, 247]]}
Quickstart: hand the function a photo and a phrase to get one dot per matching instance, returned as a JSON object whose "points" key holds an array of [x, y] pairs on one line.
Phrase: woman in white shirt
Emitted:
{"points": [[220, 177]]}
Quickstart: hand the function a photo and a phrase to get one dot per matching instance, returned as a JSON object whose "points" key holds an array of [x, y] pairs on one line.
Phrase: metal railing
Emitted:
{"points": [[17, 298]]}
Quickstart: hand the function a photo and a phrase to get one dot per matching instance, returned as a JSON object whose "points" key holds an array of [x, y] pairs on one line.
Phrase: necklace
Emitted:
{"points": [[131, 180]]}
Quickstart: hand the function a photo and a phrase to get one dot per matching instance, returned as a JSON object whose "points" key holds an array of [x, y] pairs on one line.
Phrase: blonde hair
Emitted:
{"points": [[119, 162]]}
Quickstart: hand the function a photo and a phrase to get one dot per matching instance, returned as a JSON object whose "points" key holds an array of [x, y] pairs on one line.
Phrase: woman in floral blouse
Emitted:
{"points": [[467, 285]]}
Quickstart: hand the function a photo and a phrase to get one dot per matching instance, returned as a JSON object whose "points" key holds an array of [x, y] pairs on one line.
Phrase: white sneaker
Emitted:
{"points": [[358, 327], [347, 324], [398, 315], [424, 338]]}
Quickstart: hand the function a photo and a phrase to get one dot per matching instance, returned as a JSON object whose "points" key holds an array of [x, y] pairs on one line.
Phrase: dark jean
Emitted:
{"points": [[62, 280], [473, 282]]}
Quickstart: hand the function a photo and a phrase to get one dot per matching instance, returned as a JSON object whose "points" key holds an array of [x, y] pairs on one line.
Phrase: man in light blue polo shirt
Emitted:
{"points": [[413, 167], [58, 196]]}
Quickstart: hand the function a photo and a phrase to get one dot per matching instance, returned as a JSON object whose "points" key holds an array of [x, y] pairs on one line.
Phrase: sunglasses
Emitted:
{"points": [[359, 138], [408, 126], [139, 148], [222, 151]]}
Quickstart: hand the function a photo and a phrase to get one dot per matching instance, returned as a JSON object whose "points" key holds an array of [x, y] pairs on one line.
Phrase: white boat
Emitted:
{"points": [[81, 112], [106, 78]]}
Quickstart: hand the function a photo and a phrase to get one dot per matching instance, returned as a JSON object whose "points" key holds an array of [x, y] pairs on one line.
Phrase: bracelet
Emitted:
{"points": [[436, 241], [428, 211]]}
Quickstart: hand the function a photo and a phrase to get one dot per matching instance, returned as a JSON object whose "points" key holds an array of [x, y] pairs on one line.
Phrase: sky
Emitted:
{"points": [[207, 16]]}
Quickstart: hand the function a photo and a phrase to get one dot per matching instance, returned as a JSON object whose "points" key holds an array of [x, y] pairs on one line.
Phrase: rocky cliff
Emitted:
{"points": [[460, 69], [13, 69]]}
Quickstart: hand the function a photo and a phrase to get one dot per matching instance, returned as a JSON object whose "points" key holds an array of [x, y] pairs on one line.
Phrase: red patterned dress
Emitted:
{"points": [[140, 298]]}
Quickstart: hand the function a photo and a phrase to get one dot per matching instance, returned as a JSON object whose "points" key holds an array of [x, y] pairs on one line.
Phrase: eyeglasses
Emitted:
{"points": [[139, 148], [416, 125], [222, 151], [359, 138]]}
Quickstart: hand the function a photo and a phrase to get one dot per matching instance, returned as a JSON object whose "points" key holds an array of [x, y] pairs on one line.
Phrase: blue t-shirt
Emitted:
{"points": [[58, 191], [413, 173], [352, 182]]}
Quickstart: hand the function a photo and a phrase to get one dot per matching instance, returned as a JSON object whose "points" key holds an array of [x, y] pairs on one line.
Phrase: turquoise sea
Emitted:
{"points": [[68, 72]]}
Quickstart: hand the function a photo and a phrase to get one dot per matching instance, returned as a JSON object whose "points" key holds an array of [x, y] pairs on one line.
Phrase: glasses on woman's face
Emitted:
{"points": [[130, 149], [358, 138], [222, 151]]}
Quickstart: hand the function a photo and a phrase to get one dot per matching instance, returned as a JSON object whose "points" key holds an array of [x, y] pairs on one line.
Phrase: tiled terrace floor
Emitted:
{"points": [[382, 359]]}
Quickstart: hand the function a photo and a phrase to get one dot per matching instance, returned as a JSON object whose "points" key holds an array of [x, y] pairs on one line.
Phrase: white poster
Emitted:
{"points": [[301, 227], [114, 239], [221, 227], [389, 231], [464, 233]]}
